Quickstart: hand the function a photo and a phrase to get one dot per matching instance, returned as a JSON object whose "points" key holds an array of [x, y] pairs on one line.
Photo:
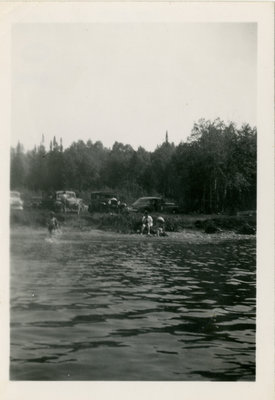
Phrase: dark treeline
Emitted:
{"points": [[213, 171]]}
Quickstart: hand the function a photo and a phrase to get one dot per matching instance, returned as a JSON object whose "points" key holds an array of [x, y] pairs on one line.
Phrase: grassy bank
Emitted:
{"points": [[131, 223]]}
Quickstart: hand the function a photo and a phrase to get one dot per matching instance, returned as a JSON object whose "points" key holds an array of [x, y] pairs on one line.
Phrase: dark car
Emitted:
{"points": [[154, 204], [35, 202], [102, 201], [63, 201]]}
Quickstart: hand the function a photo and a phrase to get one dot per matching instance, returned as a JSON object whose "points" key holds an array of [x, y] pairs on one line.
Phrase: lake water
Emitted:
{"points": [[100, 306]]}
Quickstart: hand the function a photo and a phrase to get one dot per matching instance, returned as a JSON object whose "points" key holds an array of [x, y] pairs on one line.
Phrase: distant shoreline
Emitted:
{"points": [[131, 223], [94, 235]]}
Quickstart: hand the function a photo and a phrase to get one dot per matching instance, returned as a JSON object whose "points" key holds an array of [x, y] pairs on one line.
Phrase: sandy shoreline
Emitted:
{"points": [[68, 233]]}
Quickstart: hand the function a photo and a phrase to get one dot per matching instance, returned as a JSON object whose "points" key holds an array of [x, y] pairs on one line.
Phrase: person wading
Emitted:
{"points": [[52, 224]]}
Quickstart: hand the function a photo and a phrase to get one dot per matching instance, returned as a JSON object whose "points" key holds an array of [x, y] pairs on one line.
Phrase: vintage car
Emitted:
{"points": [[63, 201], [154, 204], [16, 203], [103, 201], [34, 202]]}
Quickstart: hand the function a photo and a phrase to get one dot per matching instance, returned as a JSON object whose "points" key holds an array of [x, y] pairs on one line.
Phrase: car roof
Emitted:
{"points": [[149, 198], [64, 191], [104, 193]]}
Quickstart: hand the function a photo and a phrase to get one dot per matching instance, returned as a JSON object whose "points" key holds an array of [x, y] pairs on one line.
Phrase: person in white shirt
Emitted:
{"points": [[147, 223]]}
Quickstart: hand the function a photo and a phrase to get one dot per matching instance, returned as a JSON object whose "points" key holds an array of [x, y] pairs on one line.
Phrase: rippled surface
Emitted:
{"points": [[111, 307]]}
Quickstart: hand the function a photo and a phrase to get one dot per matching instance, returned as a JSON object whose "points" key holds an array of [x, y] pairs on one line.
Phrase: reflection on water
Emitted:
{"points": [[106, 307]]}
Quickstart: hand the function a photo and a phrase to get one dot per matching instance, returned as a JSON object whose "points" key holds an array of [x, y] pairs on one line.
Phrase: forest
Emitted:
{"points": [[213, 171]]}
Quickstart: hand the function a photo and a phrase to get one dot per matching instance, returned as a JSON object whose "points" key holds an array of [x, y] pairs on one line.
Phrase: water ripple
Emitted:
{"points": [[167, 310]]}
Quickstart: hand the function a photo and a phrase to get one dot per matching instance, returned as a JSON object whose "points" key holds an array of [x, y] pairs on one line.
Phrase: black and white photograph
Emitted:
{"points": [[133, 199]]}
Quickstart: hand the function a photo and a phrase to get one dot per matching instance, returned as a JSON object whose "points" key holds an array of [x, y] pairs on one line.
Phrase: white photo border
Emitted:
{"points": [[178, 12]]}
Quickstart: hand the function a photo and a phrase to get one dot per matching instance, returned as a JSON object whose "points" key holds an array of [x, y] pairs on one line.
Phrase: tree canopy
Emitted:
{"points": [[214, 170]]}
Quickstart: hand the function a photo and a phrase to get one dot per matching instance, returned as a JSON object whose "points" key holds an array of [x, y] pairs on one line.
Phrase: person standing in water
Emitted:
{"points": [[52, 224], [147, 222]]}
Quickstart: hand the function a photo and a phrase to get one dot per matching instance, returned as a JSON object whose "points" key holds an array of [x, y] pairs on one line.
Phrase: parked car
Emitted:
{"points": [[154, 204], [103, 201], [63, 201], [34, 202], [16, 203]]}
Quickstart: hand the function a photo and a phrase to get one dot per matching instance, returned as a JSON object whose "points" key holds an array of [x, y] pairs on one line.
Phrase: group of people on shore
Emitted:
{"points": [[146, 225]]}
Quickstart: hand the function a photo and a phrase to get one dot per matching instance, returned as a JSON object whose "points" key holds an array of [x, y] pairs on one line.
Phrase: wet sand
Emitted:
{"points": [[186, 235]]}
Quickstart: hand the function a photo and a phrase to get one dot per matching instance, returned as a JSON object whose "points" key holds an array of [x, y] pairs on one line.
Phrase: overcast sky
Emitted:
{"points": [[129, 82]]}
